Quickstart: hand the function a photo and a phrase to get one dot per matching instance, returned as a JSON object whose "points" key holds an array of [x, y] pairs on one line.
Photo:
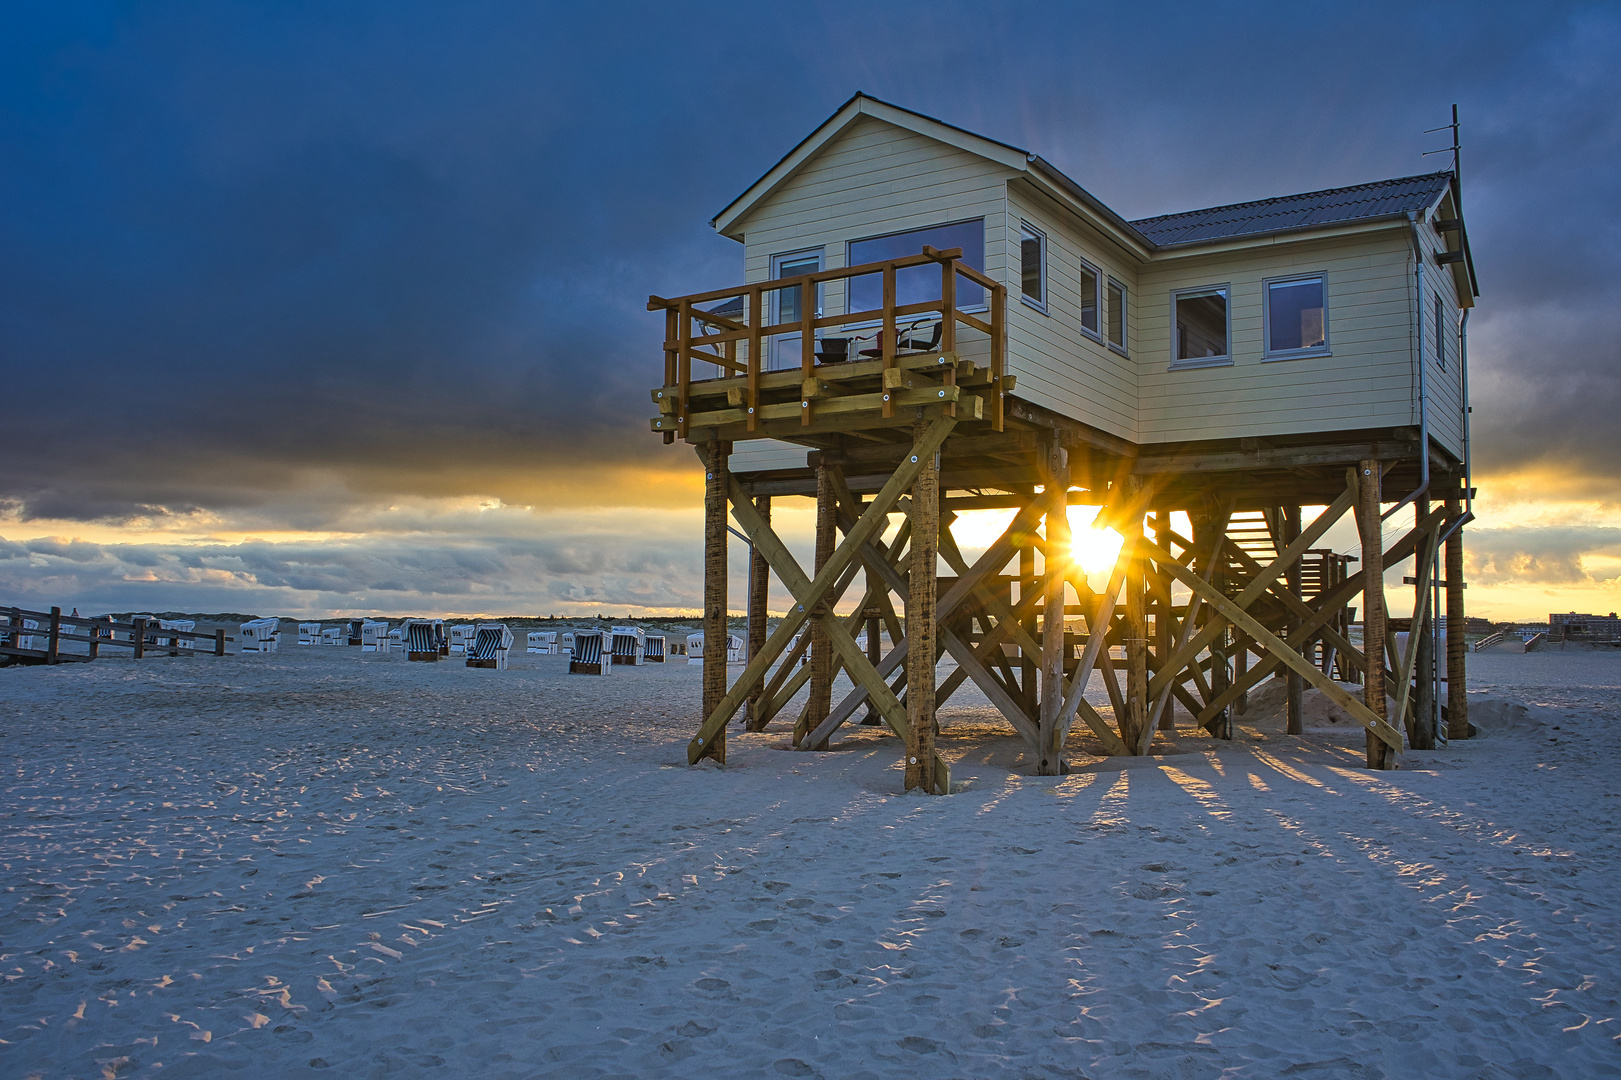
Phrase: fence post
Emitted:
{"points": [[139, 640], [54, 642], [93, 632], [219, 641]]}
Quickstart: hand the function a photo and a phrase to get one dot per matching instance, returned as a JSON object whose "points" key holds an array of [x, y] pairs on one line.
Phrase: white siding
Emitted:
{"points": [[1367, 381]]}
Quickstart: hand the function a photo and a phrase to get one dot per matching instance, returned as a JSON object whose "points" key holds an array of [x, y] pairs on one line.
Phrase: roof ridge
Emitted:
{"points": [[1137, 222]]}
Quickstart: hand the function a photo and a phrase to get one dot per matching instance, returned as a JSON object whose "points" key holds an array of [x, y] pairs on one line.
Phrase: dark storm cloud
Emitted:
{"points": [[382, 243]]}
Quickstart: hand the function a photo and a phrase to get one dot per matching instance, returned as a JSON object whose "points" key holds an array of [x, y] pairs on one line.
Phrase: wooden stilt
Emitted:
{"points": [[1056, 565], [821, 651], [1296, 688], [1368, 479], [715, 623], [920, 623], [759, 590], [1241, 660], [1163, 641], [1422, 641], [1457, 623], [1135, 722], [1027, 661], [874, 645]]}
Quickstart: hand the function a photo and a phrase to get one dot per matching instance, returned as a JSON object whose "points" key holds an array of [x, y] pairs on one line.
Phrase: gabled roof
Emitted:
{"points": [[1384, 198]]}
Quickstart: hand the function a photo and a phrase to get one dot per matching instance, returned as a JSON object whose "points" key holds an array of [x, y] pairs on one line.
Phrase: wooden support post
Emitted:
{"points": [[1136, 637], [219, 641], [139, 638], [1163, 643], [821, 649], [93, 632], [759, 590], [1457, 649], [1368, 478], [1027, 662], [1422, 641], [1241, 661], [921, 633], [875, 654], [716, 475], [1056, 562], [1296, 686], [53, 640]]}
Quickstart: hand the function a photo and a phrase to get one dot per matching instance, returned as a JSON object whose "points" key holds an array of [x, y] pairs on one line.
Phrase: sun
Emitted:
{"points": [[1095, 549]]}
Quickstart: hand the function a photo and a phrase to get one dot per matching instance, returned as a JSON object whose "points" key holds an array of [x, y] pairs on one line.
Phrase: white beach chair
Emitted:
{"points": [[373, 636], [543, 642], [592, 655], [695, 648], [628, 644], [396, 639], [175, 642], [490, 647], [567, 643], [260, 636], [461, 638], [422, 639], [653, 648], [333, 635], [734, 649], [309, 633]]}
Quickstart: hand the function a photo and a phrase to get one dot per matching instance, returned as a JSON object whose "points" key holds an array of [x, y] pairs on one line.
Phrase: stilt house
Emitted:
{"points": [[927, 311]]}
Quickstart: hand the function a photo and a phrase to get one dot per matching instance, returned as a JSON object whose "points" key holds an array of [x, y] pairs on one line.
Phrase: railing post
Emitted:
{"points": [[998, 351], [53, 643], [807, 341], [683, 363], [139, 640], [886, 337], [93, 632], [669, 361], [948, 327], [756, 319], [219, 641]]}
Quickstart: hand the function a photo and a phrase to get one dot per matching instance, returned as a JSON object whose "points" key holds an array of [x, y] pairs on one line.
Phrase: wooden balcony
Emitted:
{"points": [[896, 358]]}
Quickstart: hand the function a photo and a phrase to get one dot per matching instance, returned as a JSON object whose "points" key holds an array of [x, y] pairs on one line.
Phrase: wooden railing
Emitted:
{"points": [[52, 629], [738, 345]]}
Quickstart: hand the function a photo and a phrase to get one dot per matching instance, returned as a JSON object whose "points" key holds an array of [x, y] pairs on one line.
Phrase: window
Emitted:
{"points": [[1202, 333], [1440, 334], [1091, 299], [917, 284], [787, 305], [1296, 318], [1032, 266], [1117, 315]]}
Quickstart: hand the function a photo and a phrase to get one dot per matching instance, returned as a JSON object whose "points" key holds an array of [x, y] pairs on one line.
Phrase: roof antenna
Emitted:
{"points": [[1453, 149]]}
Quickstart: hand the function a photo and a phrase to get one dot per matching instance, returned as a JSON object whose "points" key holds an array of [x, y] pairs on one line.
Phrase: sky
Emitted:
{"points": [[325, 308]]}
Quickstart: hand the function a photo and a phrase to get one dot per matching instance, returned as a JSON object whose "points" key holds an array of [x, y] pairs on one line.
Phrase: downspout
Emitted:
{"points": [[1468, 514], [1423, 389]]}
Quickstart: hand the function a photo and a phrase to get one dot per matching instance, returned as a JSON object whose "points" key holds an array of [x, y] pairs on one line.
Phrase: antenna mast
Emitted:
{"points": [[1454, 148]]}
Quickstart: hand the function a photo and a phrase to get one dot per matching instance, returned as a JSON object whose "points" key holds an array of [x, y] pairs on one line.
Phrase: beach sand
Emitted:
{"points": [[321, 863]]}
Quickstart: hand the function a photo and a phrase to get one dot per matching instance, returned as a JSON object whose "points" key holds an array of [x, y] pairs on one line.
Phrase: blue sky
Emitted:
{"points": [[339, 307]]}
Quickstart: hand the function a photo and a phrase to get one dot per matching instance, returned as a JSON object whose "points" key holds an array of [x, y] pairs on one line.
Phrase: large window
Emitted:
{"points": [[1117, 315], [1202, 327], [1296, 318], [1033, 265], [917, 284], [1091, 299]]}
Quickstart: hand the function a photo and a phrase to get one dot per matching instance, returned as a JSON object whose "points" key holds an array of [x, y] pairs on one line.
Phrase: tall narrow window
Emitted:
{"points": [[1202, 328], [1117, 315], [1091, 299], [1033, 265], [1440, 334], [1296, 318]]}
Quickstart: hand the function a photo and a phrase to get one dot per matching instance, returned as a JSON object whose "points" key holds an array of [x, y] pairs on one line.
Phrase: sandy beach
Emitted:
{"points": [[321, 863]]}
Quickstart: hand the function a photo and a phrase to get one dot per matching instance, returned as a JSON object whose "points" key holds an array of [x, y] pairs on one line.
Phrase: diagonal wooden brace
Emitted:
{"points": [[871, 523]]}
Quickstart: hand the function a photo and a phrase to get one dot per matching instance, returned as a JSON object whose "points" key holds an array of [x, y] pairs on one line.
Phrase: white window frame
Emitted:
{"points": [[1268, 355], [1226, 358], [1039, 303], [1123, 348], [778, 345], [1097, 300]]}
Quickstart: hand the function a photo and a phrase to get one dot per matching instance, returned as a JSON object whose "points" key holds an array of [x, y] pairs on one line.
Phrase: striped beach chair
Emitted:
{"points": [[592, 655], [628, 643], [352, 631], [491, 646], [422, 639], [653, 648]]}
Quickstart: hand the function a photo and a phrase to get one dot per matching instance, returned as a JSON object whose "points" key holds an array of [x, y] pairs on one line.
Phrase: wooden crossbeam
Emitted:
{"points": [[871, 523], [1404, 681], [1277, 648], [1097, 644], [1218, 538]]}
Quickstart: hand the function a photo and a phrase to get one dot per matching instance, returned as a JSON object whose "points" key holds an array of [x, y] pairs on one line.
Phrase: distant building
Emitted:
{"points": [[1472, 625], [1573, 625]]}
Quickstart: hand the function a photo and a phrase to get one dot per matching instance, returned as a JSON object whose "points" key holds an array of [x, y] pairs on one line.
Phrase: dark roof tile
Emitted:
{"points": [[1382, 199]]}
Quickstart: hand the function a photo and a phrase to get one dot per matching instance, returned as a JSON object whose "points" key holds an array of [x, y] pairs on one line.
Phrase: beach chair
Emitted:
{"points": [[628, 645], [396, 639], [490, 647], [543, 642], [565, 645], [309, 633], [173, 641], [461, 638], [695, 648], [734, 649], [373, 636], [653, 648], [422, 639], [352, 630], [592, 654], [333, 635], [260, 636]]}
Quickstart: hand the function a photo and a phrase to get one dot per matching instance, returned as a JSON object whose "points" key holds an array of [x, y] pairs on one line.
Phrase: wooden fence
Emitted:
{"points": [[20, 643]]}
